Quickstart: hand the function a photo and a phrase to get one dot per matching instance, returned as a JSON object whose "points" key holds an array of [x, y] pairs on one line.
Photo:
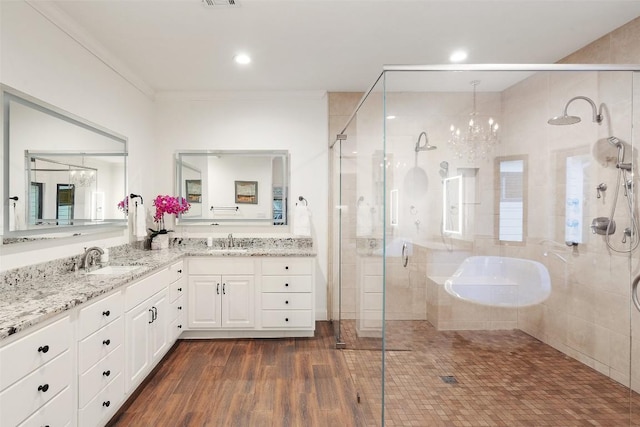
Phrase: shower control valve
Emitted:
{"points": [[600, 188]]}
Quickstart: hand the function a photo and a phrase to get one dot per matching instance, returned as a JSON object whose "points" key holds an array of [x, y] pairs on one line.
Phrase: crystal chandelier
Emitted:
{"points": [[478, 137], [83, 178]]}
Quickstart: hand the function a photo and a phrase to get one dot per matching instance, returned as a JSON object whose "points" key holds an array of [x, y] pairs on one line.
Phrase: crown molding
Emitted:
{"points": [[77, 33]]}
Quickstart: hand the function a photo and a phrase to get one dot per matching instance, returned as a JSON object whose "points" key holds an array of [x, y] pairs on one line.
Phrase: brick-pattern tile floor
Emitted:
{"points": [[480, 378]]}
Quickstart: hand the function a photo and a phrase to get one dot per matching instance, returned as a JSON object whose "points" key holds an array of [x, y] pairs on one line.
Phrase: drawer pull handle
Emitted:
{"points": [[107, 403], [106, 313], [179, 289], [43, 349], [286, 267], [224, 289], [286, 302], [106, 373], [286, 285], [286, 319], [106, 342], [218, 289], [43, 388]]}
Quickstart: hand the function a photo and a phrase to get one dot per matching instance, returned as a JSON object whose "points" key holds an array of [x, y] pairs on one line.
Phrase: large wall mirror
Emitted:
{"points": [[62, 174], [234, 187]]}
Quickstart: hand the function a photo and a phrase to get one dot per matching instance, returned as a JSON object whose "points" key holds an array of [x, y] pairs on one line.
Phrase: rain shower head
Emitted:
{"points": [[426, 146], [566, 119]]}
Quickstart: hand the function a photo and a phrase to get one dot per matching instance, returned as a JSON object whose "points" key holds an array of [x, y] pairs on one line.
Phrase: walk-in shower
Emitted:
{"points": [[422, 356]]}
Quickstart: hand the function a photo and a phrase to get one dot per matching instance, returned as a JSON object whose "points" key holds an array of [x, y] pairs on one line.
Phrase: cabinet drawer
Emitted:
{"points": [[139, 292], [104, 405], [176, 328], [34, 350], [176, 271], [287, 284], [57, 412], [177, 288], [29, 394], [287, 266], [100, 344], [287, 319], [97, 377], [99, 314], [176, 308], [221, 266], [286, 301]]}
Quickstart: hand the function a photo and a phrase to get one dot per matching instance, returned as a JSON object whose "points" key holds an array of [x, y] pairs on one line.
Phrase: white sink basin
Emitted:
{"points": [[115, 269], [228, 250]]}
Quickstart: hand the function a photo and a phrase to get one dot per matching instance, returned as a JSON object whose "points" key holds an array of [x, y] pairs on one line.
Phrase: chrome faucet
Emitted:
{"points": [[89, 257], [230, 242]]}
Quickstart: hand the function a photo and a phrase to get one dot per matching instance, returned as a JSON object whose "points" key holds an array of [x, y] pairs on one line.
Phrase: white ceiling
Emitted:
{"points": [[336, 45]]}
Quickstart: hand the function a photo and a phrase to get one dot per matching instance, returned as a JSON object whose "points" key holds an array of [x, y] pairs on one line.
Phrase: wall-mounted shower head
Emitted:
{"points": [[444, 165], [614, 141], [426, 146], [566, 119]]}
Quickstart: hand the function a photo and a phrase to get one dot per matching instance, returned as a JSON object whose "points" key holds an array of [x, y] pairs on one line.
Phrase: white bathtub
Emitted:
{"points": [[500, 281]]}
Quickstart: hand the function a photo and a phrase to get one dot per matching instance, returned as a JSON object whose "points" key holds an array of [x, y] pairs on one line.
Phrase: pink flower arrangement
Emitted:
{"points": [[123, 205], [169, 205]]}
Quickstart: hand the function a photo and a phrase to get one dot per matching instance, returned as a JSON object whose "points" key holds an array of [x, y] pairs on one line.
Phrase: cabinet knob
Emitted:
{"points": [[43, 388], [286, 319], [106, 313], [286, 267], [286, 285], [106, 342], [179, 307], [179, 289], [179, 326], [180, 271], [106, 373], [43, 349], [286, 302], [107, 403]]}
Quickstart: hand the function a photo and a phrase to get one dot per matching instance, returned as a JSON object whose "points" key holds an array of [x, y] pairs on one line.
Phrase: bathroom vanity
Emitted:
{"points": [[75, 346]]}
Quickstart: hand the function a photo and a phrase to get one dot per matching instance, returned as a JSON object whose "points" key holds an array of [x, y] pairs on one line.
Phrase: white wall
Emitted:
{"points": [[294, 121], [39, 59]]}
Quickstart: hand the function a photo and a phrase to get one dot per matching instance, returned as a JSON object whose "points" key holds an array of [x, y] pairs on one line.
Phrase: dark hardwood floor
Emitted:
{"points": [[250, 382]]}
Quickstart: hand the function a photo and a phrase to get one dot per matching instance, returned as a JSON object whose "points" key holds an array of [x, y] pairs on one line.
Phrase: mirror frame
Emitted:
{"points": [[7, 95], [267, 223]]}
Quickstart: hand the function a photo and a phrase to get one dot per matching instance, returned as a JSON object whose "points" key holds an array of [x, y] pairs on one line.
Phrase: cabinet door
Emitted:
{"points": [[158, 326], [238, 297], [204, 301], [138, 333]]}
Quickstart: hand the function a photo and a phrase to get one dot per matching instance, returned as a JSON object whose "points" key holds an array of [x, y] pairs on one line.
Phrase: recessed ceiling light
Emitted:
{"points": [[242, 58], [458, 56]]}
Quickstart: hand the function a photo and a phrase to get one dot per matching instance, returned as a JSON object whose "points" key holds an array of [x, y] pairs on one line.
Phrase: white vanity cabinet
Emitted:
{"points": [[36, 377], [221, 293], [177, 301], [287, 294], [100, 359], [146, 325]]}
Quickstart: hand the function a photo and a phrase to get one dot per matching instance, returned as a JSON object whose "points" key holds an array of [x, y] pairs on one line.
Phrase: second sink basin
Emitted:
{"points": [[114, 269]]}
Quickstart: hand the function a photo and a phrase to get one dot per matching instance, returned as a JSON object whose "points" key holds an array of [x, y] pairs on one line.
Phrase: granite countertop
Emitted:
{"points": [[35, 300]]}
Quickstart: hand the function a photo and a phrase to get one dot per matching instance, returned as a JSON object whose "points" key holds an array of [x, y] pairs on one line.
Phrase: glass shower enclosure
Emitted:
{"points": [[485, 245]]}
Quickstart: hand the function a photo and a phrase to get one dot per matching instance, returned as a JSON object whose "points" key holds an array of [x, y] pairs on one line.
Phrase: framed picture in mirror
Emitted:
{"points": [[247, 192], [194, 190]]}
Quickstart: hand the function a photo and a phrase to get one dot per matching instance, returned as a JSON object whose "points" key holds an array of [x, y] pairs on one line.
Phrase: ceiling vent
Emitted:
{"points": [[220, 4]]}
